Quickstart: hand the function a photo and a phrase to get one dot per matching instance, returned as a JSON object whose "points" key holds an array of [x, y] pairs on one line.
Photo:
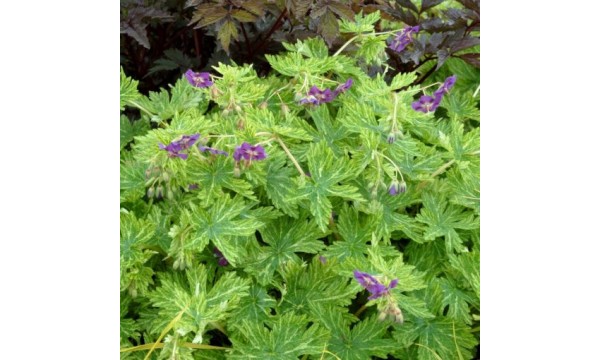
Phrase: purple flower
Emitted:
{"points": [[317, 96], [446, 86], [426, 103], [403, 38], [203, 148], [220, 257], [192, 186], [373, 285], [343, 87], [322, 259], [249, 152], [200, 80], [175, 147]]}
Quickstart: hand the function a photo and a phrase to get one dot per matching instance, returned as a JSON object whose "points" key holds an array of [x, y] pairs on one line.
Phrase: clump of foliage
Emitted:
{"points": [[162, 38], [318, 212]]}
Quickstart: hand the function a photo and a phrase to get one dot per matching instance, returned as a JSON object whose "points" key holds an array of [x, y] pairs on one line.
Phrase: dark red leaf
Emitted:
{"points": [[428, 4]]}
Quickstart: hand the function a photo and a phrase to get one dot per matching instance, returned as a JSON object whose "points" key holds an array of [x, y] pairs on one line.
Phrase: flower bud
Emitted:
{"points": [[263, 105], [159, 191], [165, 176], [170, 194], [236, 170], [214, 92], [284, 108], [394, 188], [238, 108], [402, 187], [225, 112], [150, 192], [391, 138]]}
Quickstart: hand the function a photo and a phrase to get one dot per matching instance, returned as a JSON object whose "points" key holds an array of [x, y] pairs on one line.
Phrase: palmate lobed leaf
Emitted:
{"points": [[364, 341], [129, 91], [309, 288], [287, 338], [326, 172], [442, 219]]}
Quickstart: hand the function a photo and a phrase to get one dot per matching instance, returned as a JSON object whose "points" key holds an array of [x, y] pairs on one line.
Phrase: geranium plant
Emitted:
{"points": [[315, 213]]}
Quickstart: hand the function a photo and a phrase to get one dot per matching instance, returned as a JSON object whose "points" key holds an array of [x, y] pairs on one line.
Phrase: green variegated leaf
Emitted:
{"points": [[130, 129], [325, 173], [129, 91], [287, 337], [442, 219], [364, 341], [361, 23]]}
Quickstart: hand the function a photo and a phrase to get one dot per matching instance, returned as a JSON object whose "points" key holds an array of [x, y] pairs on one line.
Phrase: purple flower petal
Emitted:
{"points": [[426, 104], [375, 288], [203, 148], [221, 260], [403, 38], [200, 80], [317, 97], [445, 88], [343, 87], [249, 152], [393, 189]]}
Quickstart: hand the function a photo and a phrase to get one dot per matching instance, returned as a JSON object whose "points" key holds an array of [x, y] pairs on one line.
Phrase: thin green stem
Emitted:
{"points": [[134, 103], [289, 154], [393, 164], [276, 92], [360, 35], [394, 128], [443, 168], [360, 311]]}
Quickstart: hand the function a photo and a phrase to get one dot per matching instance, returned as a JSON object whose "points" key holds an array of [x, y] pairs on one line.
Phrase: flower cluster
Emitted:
{"points": [[221, 260], [317, 96], [175, 147], [373, 285], [428, 103], [249, 152], [200, 80], [403, 38]]}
